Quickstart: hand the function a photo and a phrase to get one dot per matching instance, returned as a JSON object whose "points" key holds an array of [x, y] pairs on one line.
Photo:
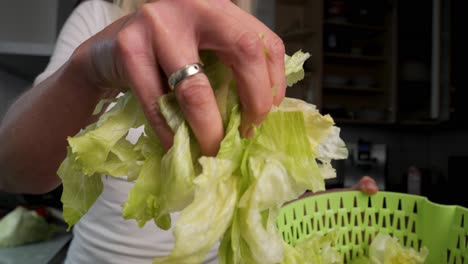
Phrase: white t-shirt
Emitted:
{"points": [[102, 235]]}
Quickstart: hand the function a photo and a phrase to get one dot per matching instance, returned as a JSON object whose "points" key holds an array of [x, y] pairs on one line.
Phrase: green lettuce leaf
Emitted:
{"points": [[22, 226], [279, 167], [315, 249], [100, 146], [234, 197], [293, 65], [80, 191], [386, 249], [176, 189], [142, 204], [202, 223]]}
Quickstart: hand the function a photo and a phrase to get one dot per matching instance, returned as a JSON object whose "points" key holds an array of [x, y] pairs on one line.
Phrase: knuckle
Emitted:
{"points": [[130, 49], [261, 108], [124, 44], [152, 17], [153, 113], [123, 52], [219, 3], [277, 48], [195, 93], [157, 120], [250, 45], [147, 10], [131, 45], [223, 2]]}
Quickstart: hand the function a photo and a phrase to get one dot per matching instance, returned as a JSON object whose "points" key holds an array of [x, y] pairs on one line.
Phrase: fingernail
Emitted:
{"points": [[274, 90], [250, 131], [368, 186], [247, 131]]}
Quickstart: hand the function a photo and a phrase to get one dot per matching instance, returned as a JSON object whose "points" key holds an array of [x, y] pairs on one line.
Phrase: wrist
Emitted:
{"points": [[79, 69]]}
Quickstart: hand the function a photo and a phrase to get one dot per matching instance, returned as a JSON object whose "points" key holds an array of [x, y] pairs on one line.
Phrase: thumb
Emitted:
{"points": [[367, 184]]}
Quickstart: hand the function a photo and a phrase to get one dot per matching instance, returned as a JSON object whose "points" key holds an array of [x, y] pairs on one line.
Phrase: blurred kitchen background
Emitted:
{"points": [[389, 72]]}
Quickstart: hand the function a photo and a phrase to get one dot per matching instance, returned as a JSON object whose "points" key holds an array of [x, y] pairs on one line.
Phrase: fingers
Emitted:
{"points": [[255, 54], [198, 103], [136, 63], [276, 68], [257, 62], [253, 82], [196, 98], [367, 184], [120, 56], [169, 35], [274, 50]]}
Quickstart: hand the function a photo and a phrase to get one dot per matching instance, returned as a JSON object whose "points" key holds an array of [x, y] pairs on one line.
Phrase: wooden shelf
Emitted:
{"points": [[308, 74], [354, 57], [350, 88], [370, 80], [420, 122], [292, 2], [361, 121], [355, 26], [298, 34]]}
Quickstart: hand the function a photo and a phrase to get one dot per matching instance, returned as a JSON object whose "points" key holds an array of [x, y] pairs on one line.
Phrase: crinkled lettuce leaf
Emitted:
{"points": [[100, 149], [177, 174], [387, 249], [99, 146], [278, 166], [317, 248], [294, 67], [204, 221], [234, 197], [142, 204], [80, 191]]}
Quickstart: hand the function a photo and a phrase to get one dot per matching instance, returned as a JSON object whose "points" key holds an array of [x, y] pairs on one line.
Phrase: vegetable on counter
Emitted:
{"points": [[23, 226]]}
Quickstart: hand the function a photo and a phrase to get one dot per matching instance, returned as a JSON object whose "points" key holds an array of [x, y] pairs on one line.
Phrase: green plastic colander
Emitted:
{"points": [[413, 219]]}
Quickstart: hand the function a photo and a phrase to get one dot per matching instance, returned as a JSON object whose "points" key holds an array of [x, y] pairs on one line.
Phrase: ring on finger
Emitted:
{"points": [[184, 73]]}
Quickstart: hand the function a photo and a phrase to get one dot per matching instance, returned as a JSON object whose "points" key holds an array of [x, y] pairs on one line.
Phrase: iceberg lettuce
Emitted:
{"points": [[233, 197], [314, 249], [387, 249]]}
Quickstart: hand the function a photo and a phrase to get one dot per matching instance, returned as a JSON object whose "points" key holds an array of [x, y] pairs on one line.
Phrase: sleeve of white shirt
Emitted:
{"points": [[86, 20]]}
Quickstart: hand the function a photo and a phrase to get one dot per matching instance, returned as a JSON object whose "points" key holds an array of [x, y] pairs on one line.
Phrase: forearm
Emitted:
{"points": [[34, 131]]}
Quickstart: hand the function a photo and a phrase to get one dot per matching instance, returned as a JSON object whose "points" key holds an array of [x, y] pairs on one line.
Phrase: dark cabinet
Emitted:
{"points": [[374, 62]]}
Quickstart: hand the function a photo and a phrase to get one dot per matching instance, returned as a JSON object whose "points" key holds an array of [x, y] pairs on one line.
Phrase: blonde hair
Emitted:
{"points": [[129, 6]]}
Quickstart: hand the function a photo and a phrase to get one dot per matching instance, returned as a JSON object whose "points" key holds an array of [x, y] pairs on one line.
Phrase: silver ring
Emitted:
{"points": [[183, 73]]}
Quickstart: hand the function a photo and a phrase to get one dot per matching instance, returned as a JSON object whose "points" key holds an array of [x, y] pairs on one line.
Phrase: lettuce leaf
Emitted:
{"points": [[293, 65], [314, 249], [387, 249], [278, 166], [98, 148], [234, 197], [142, 204], [204, 221], [80, 191]]}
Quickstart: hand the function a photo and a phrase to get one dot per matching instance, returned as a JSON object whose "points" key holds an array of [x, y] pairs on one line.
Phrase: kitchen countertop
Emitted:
{"points": [[52, 251]]}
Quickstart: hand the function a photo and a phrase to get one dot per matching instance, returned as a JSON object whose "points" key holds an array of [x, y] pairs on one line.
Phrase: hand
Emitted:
{"points": [[366, 184], [167, 35]]}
